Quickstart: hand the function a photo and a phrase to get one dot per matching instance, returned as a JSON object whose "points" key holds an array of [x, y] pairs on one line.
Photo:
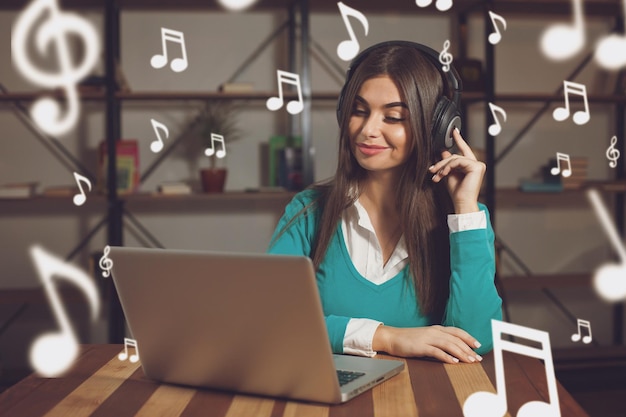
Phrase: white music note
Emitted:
{"points": [[124, 355], [609, 279], [348, 49], [611, 50], [561, 113], [557, 169], [275, 103], [106, 263], [489, 404], [53, 34], [496, 36], [157, 145], [495, 128], [51, 354], [445, 58], [442, 5], [612, 153], [160, 60], [577, 336], [220, 153], [562, 41], [80, 198]]}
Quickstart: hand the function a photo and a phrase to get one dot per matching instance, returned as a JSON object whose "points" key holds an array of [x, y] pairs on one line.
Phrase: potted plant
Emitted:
{"points": [[215, 125]]}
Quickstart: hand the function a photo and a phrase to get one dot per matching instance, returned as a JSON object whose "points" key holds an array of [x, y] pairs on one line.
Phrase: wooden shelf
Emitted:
{"points": [[167, 96], [469, 97], [215, 95], [226, 196], [475, 96], [144, 196], [34, 95], [512, 197]]}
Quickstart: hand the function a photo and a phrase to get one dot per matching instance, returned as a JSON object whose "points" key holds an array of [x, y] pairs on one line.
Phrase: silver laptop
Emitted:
{"points": [[249, 323]]}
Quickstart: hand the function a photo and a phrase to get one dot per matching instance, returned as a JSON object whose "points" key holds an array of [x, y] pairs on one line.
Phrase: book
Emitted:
{"points": [[275, 145], [18, 190], [236, 87], [127, 158], [174, 188], [532, 186], [59, 191], [290, 168]]}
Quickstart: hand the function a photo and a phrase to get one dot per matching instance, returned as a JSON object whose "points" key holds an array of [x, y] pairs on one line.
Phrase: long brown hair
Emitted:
{"points": [[423, 205]]}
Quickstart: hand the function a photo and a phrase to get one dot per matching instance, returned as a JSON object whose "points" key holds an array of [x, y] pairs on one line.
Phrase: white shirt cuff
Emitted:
{"points": [[359, 336], [467, 221]]}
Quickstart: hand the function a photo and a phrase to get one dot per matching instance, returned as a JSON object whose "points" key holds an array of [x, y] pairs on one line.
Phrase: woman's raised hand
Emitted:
{"points": [[463, 174]]}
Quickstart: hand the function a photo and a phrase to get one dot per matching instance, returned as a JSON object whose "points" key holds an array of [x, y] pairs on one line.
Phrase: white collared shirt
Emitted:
{"points": [[366, 255]]}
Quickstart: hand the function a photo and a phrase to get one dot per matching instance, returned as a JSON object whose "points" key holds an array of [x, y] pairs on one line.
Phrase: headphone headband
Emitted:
{"points": [[454, 80]]}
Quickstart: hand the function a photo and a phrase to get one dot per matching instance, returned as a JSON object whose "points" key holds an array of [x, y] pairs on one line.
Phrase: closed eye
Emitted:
{"points": [[394, 119]]}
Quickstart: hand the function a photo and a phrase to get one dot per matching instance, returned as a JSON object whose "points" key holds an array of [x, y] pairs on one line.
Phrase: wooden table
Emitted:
{"points": [[100, 385]]}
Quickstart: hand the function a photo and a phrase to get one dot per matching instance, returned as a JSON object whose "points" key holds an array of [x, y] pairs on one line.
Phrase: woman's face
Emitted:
{"points": [[379, 126]]}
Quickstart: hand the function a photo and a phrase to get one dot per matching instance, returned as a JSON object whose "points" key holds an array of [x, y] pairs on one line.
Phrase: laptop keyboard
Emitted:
{"points": [[348, 376]]}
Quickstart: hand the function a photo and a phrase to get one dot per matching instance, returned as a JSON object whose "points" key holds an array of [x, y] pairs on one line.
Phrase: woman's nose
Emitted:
{"points": [[372, 126]]}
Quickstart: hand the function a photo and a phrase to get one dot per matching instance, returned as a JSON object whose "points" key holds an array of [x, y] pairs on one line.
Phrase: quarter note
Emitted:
{"points": [[53, 353], [220, 153], [348, 49], [611, 50], [495, 128], [160, 60], [612, 153], [106, 263], [577, 336], [566, 172], [442, 5], [275, 103], [445, 57], [80, 198], [157, 145], [562, 41], [54, 31], [609, 280], [561, 113], [489, 404], [124, 355], [495, 37]]}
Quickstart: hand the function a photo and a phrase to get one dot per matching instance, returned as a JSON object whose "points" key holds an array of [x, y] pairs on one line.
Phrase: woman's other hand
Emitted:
{"points": [[448, 344]]}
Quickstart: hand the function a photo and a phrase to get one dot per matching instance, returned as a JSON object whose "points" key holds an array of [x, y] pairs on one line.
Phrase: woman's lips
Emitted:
{"points": [[370, 149]]}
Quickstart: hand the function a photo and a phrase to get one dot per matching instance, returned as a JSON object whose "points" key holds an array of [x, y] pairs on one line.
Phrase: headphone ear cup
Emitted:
{"points": [[445, 119]]}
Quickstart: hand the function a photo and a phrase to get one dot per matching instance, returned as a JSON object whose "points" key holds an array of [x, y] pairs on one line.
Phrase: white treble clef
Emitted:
{"points": [[445, 57], [55, 29], [106, 263], [612, 153]]}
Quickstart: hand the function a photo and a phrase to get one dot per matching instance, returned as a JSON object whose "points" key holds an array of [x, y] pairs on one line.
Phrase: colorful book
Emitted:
{"points": [[127, 157]]}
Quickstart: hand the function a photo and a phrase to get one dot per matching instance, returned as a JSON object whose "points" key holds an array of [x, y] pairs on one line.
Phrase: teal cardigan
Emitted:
{"points": [[346, 294]]}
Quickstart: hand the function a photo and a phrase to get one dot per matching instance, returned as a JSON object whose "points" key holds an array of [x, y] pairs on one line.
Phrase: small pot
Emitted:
{"points": [[213, 179]]}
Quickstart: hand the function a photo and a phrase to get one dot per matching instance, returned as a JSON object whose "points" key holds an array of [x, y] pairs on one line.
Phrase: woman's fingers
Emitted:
{"points": [[453, 342], [463, 335], [462, 145], [445, 166]]}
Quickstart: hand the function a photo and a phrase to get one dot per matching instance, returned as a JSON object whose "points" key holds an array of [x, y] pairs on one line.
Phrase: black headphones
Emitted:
{"points": [[446, 116]]}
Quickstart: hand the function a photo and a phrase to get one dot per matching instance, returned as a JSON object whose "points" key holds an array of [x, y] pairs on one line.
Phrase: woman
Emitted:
{"points": [[403, 251]]}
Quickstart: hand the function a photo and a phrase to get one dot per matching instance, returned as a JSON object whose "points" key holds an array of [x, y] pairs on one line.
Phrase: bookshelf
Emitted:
{"points": [[115, 205]]}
